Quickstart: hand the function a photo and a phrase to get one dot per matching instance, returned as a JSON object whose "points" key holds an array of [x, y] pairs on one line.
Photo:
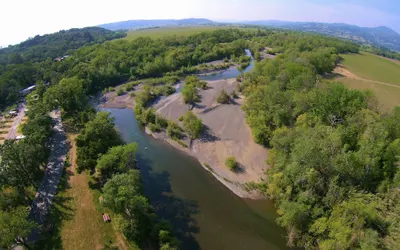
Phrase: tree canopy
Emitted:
{"points": [[95, 139]]}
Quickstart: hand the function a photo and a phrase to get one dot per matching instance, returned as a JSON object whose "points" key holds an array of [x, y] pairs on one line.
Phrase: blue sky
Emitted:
{"points": [[21, 19]]}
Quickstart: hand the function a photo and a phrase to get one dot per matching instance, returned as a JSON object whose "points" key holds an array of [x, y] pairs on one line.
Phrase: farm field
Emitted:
{"points": [[170, 31], [388, 96], [372, 67]]}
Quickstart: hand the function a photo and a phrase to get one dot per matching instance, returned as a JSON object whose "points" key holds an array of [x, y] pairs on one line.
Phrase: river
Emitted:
{"points": [[203, 212]]}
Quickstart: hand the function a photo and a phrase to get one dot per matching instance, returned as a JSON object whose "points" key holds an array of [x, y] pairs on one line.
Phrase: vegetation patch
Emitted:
{"points": [[231, 163], [223, 97]]}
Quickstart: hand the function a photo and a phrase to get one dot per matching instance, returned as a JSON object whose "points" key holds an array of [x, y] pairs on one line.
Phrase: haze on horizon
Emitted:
{"points": [[25, 18]]}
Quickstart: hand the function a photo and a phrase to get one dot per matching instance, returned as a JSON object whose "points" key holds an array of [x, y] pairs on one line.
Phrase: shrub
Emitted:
{"points": [[234, 94], [154, 127], [223, 97], [129, 87], [173, 130], [231, 163], [120, 92], [192, 125]]}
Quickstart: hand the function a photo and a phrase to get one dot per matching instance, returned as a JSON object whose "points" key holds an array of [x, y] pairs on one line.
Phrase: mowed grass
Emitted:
{"points": [[76, 216], [173, 31], [372, 67], [388, 96]]}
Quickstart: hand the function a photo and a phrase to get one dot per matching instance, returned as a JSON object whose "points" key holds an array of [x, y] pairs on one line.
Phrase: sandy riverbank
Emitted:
{"points": [[227, 134]]}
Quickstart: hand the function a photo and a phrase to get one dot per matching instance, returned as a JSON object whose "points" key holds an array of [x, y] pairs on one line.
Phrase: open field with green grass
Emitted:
{"points": [[173, 31], [170, 31], [388, 96], [372, 67]]}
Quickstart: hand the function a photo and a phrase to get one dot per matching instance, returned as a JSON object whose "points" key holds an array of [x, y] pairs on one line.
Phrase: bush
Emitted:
{"points": [[120, 92], [129, 87], [174, 131], [154, 127], [192, 125], [231, 163], [234, 94], [223, 97]]}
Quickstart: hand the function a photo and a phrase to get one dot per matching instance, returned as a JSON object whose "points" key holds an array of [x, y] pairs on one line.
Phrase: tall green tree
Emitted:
{"points": [[14, 227], [117, 160], [95, 139], [69, 94]]}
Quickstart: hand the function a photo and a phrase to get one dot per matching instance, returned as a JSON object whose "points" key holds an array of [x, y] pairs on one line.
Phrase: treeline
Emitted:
{"points": [[334, 158], [39, 48], [111, 63], [102, 151], [382, 52], [21, 170], [31, 61]]}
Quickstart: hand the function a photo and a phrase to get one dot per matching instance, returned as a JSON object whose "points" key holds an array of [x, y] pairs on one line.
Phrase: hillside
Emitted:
{"points": [[54, 45], [377, 36], [135, 24]]}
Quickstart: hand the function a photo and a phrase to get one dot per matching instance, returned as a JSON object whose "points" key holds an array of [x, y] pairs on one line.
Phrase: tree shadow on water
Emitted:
{"points": [[177, 211]]}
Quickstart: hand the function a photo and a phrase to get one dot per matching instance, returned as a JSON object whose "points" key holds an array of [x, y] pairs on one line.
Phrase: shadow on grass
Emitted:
{"points": [[61, 211], [177, 211]]}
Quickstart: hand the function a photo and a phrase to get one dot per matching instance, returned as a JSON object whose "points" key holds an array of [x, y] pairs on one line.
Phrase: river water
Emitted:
{"points": [[203, 212], [232, 72]]}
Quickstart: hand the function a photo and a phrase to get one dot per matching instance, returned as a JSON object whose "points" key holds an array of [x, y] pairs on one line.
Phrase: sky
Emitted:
{"points": [[21, 19]]}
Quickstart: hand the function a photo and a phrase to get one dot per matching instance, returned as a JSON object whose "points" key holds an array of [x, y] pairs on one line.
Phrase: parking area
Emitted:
{"points": [[10, 121]]}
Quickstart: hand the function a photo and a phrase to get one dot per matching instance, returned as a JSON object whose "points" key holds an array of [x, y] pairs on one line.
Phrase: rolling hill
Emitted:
{"points": [[57, 44], [378, 36]]}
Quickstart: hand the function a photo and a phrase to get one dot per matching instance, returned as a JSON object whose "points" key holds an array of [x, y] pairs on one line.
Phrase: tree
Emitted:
{"points": [[117, 160], [123, 194], [192, 125], [189, 94], [223, 97], [15, 227], [96, 138], [68, 94], [20, 163]]}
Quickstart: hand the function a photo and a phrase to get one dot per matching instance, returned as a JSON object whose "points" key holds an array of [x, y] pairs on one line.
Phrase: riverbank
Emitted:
{"points": [[226, 134]]}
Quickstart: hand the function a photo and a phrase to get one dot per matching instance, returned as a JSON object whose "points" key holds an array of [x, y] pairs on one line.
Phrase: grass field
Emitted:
{"points": [[388, 96], [372, 67], [163, 32], [174, 31], [76, 215]]}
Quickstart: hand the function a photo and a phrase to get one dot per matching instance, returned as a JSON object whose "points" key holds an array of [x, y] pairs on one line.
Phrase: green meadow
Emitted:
{"points": [[372, 67], [169, 31]]}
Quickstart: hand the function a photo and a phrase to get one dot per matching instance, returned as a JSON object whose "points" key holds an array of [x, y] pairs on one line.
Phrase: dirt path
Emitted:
{"points": [[341, 70], [87, 229]]}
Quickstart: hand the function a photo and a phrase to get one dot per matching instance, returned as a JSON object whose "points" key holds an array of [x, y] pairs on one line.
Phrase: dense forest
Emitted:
{"points": [[334, 158], [54, 45]]}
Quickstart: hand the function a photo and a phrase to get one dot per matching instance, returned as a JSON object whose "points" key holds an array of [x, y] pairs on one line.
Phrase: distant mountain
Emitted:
{"points": [[56, 44], [378, 36], [135, 24]]}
